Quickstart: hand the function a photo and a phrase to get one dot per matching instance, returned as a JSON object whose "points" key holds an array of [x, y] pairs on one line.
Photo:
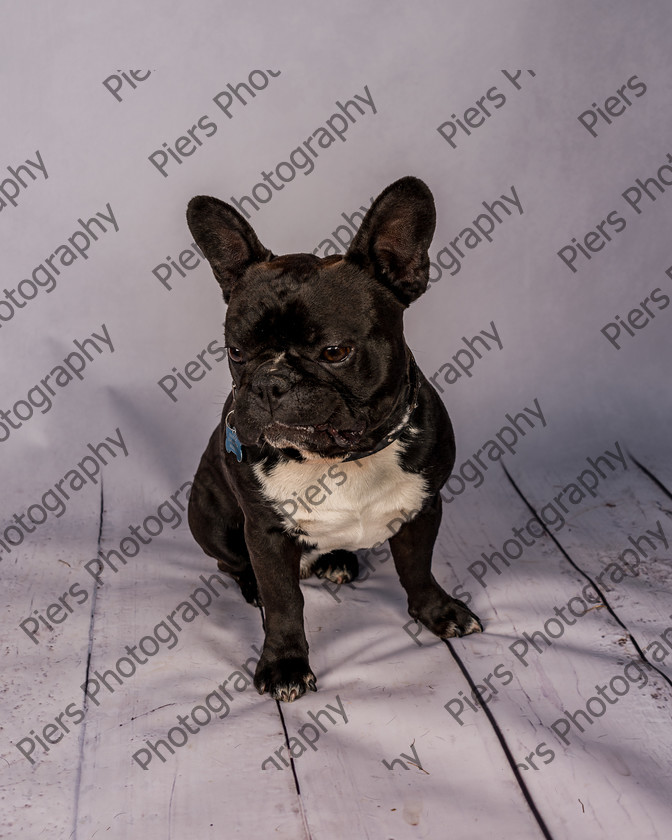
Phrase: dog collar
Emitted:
{"points": [[398, 430], [233, 445]]}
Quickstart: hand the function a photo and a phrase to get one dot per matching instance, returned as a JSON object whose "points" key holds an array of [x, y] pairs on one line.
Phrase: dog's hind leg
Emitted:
{"points": [[217, 523], [337, 566]]}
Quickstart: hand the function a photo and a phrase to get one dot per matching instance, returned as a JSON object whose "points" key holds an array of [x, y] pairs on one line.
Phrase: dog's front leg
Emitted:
{"points": [[412, 549], [283, 670]]}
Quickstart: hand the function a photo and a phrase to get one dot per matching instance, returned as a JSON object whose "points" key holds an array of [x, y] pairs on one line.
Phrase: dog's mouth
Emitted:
{"points": [[341, 437], [311, 437]]}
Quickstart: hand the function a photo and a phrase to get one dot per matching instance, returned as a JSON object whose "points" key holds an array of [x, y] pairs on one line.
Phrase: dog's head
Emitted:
{"points": [[316, 345]]}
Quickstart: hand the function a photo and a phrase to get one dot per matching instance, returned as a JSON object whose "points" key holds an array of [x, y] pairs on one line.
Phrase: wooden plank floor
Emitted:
{"points": [[555, 722]]}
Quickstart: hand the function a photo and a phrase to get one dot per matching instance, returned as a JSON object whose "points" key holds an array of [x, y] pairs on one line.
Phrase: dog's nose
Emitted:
{"points": [[272, 384]]}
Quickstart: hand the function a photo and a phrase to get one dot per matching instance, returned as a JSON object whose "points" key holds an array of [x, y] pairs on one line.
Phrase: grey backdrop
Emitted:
{"points": [[421, 65]]}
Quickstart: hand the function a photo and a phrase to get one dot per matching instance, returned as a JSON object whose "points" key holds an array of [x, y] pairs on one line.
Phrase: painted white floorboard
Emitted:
{"points": [[622, 541], [417, 756], [625, 745], [658, 463], [399, 766], [191, 776], [40, 675]]}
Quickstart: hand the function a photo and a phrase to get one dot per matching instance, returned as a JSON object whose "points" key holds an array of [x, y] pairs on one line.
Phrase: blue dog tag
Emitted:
{"points": [[232, 443]]}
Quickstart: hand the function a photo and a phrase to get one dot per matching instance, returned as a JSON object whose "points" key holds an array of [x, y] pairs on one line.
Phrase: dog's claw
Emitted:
{"points": [[337, 566], [473, 625], [288, 694], [285, 679], [448, 619]]}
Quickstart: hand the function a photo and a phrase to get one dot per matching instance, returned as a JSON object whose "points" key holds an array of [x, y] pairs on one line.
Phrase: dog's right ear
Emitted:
{"points": [[227, 240]]}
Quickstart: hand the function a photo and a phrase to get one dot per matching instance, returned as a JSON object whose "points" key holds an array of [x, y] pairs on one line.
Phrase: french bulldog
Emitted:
{"points": [[332, 440]]}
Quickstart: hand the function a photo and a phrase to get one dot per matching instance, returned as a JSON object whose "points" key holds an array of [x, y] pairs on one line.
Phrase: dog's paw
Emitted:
{"points": [[453, 618], [285, 679], [337, 566]]}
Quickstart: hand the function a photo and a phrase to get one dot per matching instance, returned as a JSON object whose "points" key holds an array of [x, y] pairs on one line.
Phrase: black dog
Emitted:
{"points": [[332, 437]]}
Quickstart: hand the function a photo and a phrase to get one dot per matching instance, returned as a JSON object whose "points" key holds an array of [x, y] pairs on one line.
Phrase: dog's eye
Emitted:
{"points": [[335, 354], [236, 355]]}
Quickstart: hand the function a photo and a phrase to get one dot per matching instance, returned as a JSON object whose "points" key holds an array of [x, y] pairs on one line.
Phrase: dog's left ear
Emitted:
{"points": [[393, 239], [229, 243]]}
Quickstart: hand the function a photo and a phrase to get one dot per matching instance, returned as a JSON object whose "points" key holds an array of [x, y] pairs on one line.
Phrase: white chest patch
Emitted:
{"points": [[351, 505]]}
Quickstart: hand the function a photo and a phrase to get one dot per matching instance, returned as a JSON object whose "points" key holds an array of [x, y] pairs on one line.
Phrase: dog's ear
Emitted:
{"points": [[227, 240], [394, 236]]}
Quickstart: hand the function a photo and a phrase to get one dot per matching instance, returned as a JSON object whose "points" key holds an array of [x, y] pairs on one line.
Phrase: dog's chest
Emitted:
{"points": [[351, 505]]}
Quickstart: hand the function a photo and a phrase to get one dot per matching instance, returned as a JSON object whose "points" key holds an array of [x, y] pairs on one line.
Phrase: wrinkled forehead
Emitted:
{"points": [[298, 296], [286, 274]]}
